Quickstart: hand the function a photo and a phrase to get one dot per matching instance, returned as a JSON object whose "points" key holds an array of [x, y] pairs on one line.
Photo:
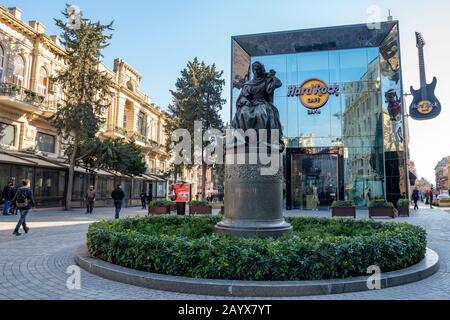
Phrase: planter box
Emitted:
{"points": [[200, 210], [403, 211], [152, 210], [382, 212], [343, 212]]}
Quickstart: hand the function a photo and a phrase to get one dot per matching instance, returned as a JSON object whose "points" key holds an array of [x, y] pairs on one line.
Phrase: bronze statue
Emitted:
{"points": [[254, 106]]}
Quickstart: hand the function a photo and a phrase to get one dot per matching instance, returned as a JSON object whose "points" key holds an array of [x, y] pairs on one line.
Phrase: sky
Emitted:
{"points": [[158, 37]]}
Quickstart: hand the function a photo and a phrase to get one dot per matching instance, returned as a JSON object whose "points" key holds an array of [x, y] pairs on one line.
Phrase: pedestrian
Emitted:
{"points": [[90, 199], [143, 197], [118, 196], [7, 195], [24, 202], [415, 197], [431, 196]]}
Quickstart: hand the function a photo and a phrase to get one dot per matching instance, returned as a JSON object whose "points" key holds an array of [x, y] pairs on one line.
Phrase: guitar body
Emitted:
{"points": [[425, 105]]}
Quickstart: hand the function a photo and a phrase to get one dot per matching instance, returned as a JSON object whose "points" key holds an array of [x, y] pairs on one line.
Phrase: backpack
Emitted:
{"points": [[22, 200]]}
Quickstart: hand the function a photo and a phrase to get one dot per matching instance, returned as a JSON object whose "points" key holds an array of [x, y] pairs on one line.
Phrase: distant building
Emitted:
{"points": [[29, 145], [442, 175]]}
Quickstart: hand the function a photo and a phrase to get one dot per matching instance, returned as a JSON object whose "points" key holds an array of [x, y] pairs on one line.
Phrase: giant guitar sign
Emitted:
{"points": [[425, 105]]}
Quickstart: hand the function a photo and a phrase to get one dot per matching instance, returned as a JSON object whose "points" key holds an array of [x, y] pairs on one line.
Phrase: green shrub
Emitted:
{"points": [[380, 203], [403, 203], [199, 203], [161, 203], [342, 204], [317, 249]]}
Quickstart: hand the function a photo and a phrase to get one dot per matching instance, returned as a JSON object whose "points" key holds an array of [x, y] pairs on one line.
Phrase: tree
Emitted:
{"points": [[87, 90], [116, 154], [198, 97]]}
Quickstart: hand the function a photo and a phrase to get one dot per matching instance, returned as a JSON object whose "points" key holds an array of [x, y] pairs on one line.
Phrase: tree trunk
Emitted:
{"points": [[204, 168], [71, 174]]}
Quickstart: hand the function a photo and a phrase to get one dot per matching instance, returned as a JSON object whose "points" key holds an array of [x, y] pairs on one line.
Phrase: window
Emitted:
{"points": [[43, 82], [45, 142], [142, 124], [7, 134], [2, 60], [19, 71]]}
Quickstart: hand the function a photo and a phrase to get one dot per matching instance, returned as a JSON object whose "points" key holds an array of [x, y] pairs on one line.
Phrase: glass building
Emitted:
{"points": [[350, 141]]}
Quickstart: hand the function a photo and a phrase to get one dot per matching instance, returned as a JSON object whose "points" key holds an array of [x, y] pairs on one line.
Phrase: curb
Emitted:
{"points": [[234, 288]]}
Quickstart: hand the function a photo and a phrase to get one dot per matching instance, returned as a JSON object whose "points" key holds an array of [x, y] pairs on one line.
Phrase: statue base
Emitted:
{"points": [[253, 202]]}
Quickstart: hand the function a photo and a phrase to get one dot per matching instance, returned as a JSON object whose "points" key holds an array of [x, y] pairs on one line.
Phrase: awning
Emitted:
{"points": [[4, 157], [151, 177], [412, 178]]}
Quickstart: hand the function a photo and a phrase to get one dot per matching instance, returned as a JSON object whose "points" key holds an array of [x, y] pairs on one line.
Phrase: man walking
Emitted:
{"points": [[118, 196], [7, 195], [90, 200], [143, 197], [415, 197], [24, 202]]}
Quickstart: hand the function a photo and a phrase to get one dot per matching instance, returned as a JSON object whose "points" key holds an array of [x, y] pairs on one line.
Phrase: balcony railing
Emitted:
{"points": [[22, 94]]}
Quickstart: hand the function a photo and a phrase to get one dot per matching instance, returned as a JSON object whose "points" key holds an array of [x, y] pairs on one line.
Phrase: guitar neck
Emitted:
{"points": [[423, 77]]}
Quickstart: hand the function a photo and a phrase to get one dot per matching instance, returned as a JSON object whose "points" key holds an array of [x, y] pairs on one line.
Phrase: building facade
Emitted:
{"points": [[341, 107], [442, 175], [30, 147]]}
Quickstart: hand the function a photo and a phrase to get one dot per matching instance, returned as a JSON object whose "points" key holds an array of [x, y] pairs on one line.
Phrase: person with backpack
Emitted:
{"points": [[7, 195], [118, 196], [90, 199], [24, 201]]}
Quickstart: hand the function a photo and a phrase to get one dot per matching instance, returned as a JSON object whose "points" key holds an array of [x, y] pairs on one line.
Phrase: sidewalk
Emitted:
{"points": [[34, 265]]}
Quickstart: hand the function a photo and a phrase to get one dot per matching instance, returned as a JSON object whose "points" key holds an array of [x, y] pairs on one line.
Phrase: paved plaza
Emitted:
{"points": [[34, 266]]}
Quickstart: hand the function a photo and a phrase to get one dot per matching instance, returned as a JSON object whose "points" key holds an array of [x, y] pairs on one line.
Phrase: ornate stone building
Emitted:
{"points": [[30, 147]]}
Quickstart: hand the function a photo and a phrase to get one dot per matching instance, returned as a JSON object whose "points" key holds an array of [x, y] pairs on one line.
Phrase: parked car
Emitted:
{"points": [[442, 200]]}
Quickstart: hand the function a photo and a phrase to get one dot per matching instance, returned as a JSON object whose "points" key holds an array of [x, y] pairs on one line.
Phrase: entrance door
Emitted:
{"points": [[314, 181]]}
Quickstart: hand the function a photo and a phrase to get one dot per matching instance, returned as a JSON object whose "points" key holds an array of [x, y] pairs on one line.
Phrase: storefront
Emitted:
{"points": [[48, 179], [341, 106]]}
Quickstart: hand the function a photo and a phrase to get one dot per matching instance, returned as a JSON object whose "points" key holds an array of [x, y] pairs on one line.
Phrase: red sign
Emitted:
{"points": [[181, 192]]}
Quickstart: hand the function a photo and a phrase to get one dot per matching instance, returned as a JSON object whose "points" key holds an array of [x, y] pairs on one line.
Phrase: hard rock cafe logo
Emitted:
{"points": [[425, 107], [314, 94]]}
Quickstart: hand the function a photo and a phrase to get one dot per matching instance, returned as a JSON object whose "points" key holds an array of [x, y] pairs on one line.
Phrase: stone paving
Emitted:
{"points": [[34, 266]]}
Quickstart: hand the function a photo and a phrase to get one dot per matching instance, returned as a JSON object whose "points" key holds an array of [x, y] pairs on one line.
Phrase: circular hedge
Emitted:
{"points": [[317, 249]]}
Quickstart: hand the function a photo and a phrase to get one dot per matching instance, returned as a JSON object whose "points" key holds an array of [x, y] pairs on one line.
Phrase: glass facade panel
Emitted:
{"points": [[363, 125]]}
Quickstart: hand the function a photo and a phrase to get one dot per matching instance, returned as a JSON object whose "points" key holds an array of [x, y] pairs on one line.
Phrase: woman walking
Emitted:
{"points": [[24, 202]]}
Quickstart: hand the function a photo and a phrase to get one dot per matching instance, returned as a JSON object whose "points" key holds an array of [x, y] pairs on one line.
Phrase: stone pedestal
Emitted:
{"points": [[253, 202]]}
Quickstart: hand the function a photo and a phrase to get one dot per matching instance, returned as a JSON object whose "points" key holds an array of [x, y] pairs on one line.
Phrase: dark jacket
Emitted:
{"points": [[8, 193], [118, 194], [28, 195], [415, 195]]}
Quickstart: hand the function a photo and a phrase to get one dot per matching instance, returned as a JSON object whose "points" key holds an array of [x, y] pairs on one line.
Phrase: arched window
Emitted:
{"points": [[43, 81], [2, 61], [19, 71]]}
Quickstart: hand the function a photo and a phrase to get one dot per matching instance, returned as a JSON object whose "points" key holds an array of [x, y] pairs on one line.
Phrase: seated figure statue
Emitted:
{"points": [[254, 106]]}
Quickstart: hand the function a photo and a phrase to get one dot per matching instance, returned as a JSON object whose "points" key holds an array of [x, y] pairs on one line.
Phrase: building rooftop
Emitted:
{"points": [[329, 38]]}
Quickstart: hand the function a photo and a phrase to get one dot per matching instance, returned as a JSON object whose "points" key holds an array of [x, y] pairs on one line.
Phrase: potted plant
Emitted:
{"points": [[381, 208], [199, 207], [160, 207], [343, 209], [403, 207]]}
